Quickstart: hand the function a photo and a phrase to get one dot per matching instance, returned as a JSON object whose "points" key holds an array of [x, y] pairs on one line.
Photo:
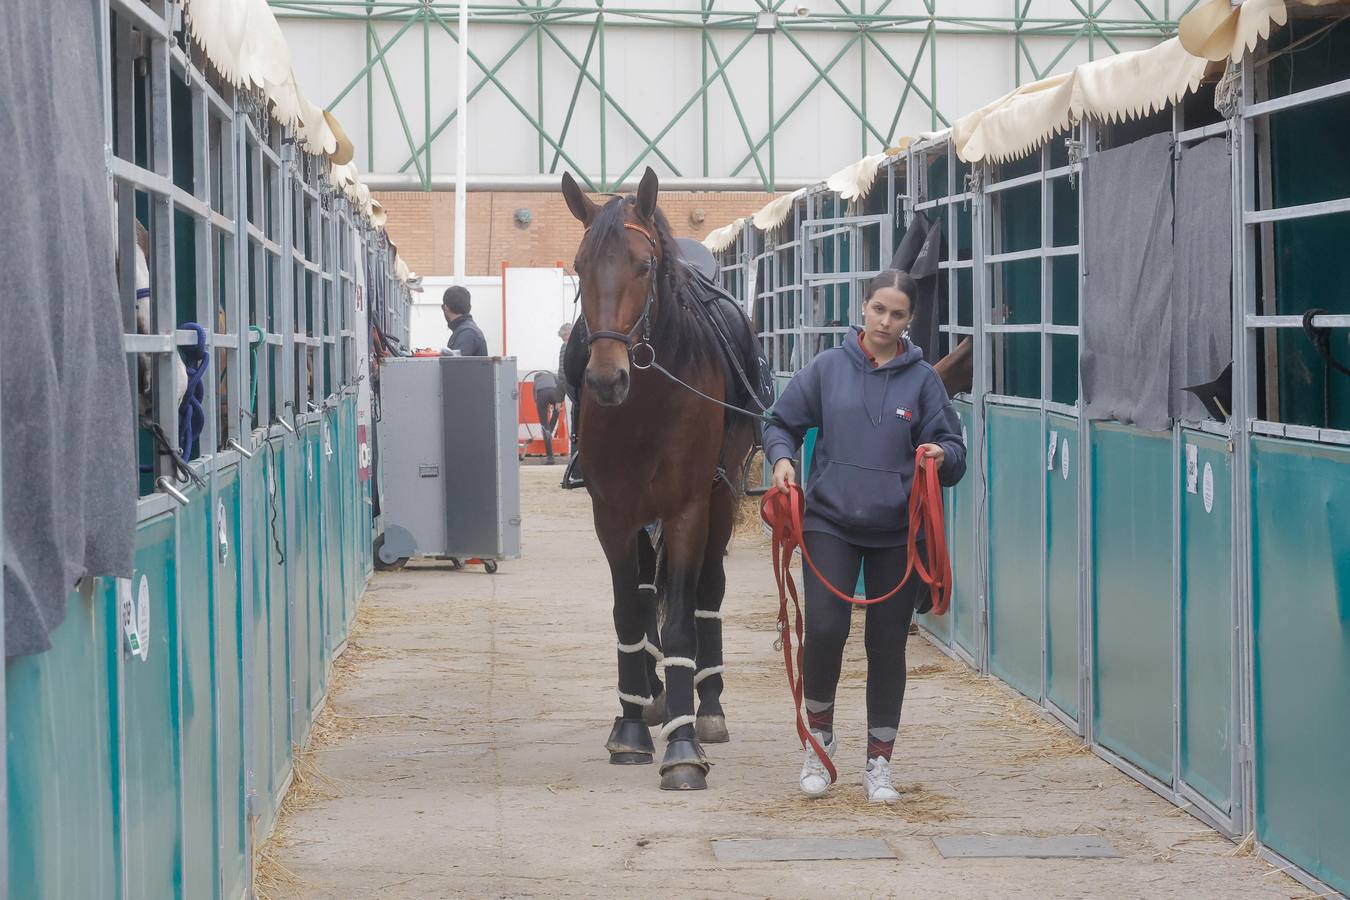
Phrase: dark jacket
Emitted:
{"points": [[871, 421], [466, 338]]}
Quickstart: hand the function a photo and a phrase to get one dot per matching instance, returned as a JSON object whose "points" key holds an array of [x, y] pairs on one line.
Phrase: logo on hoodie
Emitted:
{"points": [[904, 412]]}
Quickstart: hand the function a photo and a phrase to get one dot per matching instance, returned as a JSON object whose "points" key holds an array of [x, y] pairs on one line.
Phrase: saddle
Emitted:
{"points": [[749, 381]]}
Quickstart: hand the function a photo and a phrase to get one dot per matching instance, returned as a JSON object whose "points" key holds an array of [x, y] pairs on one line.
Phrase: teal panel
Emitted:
{"points": [[1301, 600], [964, 548], [1061, 567], [311, 527], [281, 667], [226, 554], [1206, 762], [1016, 461], [61, 755], [332, 536], [1132, 595], [260, 678], [153, 847], [200, 839], [296, 488]]}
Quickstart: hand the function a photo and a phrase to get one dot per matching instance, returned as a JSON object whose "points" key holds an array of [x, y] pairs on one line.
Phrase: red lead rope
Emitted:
{"points": [[783, 513]]}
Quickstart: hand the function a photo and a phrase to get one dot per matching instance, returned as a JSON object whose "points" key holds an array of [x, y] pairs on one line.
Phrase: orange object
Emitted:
{"points": [[529, 416], [783, 513], [426, 353]]}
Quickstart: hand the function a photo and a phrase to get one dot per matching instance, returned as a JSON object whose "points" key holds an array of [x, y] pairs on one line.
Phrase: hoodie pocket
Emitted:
{"points": [[860, 497]]}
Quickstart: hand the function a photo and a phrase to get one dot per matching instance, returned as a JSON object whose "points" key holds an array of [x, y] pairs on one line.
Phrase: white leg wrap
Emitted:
{"points": [[707, 614], [654, 651], [647, 587], [681, 661], [708, 673], [677, 722], [633, 648], [634, 698]]}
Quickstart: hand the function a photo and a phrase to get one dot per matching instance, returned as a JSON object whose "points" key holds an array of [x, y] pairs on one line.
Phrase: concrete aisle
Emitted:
{"points": [[462, 755]]}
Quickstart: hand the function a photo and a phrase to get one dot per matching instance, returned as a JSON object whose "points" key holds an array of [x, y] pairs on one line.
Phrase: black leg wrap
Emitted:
{"points": [[630, 743], [684, 767]]}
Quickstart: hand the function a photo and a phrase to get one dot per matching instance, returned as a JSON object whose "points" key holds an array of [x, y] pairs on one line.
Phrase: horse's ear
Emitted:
{"points": [[581, 206], [646, 195]]}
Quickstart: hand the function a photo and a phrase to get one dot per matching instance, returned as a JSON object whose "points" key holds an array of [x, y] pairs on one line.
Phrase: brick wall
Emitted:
{"points": [[422, 224]]}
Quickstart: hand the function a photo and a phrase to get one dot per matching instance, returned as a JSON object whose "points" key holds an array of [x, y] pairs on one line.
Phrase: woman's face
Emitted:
{"points": [[886, 315]]}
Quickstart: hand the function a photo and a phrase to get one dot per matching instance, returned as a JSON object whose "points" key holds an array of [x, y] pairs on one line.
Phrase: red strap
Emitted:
{"points": [[782, 512]]}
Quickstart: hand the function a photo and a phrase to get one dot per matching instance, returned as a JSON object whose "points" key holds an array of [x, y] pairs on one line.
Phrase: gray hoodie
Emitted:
{"points": [[871, 421]]}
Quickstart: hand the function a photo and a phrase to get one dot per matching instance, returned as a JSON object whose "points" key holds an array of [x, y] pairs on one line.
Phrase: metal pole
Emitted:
{"points": [[462, 141]]}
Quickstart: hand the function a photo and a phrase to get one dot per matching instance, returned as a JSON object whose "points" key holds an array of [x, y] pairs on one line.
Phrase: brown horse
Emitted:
{"points": [[654, 451]]}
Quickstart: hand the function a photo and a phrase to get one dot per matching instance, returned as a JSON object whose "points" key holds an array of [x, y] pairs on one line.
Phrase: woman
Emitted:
{"points": [[875, 402]]}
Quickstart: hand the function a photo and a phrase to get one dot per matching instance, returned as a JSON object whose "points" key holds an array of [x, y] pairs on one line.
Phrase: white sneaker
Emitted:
{"points": [[815, 779], [877, 781]]}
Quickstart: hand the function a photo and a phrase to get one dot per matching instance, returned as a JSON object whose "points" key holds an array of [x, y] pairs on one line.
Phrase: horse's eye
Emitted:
{"points": [[645, 268]]}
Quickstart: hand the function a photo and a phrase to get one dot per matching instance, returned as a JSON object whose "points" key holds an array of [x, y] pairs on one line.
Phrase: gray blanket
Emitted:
{"points": [[67, 460]]}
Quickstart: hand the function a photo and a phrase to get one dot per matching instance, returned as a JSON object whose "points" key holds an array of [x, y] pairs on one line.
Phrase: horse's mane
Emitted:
{"points": [[682, 336]]}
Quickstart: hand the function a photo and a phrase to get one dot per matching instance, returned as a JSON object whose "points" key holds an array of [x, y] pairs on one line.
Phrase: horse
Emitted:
{"points": [[655, 451]]}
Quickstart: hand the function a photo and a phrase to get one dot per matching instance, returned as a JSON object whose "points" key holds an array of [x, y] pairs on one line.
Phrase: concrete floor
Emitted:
{"points": [[462, 755]]}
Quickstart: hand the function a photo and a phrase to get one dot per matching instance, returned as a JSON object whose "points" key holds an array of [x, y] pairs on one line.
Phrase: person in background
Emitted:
{"points": [[549, 395], [466, 338]]}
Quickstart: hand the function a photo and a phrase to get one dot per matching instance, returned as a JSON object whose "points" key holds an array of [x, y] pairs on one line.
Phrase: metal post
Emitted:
{"points": [[462, 142]]}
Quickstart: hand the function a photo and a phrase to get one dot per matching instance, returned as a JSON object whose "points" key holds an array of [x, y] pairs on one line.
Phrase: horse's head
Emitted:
{"points": [[618, 265]]}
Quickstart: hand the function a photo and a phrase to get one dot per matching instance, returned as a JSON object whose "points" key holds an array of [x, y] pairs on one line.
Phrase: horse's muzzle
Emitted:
{"points": [[609, 386]]}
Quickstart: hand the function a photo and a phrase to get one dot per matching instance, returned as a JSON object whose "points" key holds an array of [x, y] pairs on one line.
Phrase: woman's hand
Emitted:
{"points": [[932, 451], [784, 474]]}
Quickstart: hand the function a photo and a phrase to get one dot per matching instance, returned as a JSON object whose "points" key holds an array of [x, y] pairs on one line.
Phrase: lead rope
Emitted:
{"points": [[782, 512]]}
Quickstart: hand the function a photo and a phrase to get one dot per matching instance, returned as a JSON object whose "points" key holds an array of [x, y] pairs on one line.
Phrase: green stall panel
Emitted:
{"points": [[1206, 762], [151, 721], [331, 537], [62, 756], [270, 545], [311, 533], [1132, 595], [299, 472], [226, 556], [1016, 459], [197, 698], [1301, 605], [964, 611], [255, 477], [351, 578], [1061, 566]]}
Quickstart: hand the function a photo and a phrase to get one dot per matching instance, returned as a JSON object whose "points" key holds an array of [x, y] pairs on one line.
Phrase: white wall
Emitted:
{"points": [[651, 72], [537, 302]]}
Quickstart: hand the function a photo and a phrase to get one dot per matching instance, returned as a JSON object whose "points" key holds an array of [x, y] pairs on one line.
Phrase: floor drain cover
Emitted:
{"points": [[806, 848], [1012, 845]]}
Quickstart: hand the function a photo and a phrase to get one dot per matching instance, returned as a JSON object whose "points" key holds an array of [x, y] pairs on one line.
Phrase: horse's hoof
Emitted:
{"points": [[630, 743], [654, 713], [712, 729], [684, 777]]}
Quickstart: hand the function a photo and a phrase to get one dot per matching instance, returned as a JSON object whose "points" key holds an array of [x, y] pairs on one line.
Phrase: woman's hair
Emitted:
{"points": [[894, 278]]}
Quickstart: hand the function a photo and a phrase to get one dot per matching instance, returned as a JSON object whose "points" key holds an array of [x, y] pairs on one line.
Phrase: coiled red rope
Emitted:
{"points": [[782, 512]]}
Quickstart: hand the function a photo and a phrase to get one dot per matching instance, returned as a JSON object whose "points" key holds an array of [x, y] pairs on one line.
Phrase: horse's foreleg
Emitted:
{"points": [[630, 741], [684, 766], [712, 583], [655, 713]]}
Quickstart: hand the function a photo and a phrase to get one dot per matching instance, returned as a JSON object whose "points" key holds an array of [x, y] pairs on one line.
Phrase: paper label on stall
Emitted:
{"points": [[327, 441], [309, 466], [1192, 467], [221, 534], [1209, 487], [1064, 460], [127, 606], [271, 480], [1050, 452], [143, 617]]}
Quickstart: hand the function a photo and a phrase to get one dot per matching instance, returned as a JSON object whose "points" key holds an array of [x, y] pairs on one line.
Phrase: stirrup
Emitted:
{"points": [[572, 477]]}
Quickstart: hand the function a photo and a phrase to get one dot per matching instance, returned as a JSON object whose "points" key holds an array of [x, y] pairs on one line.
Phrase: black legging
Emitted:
{"points": [[827, 627], [548, 399]]}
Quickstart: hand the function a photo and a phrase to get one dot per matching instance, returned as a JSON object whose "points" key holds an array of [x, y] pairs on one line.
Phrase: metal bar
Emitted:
{"points": [[367, 70], [1322, 321], [1297, 99], [909, 86], [1013, 256], [1303, 211], [426, 92], [398, 105], [576, 94], [1199, 134], [604, 98], [740, 117]]}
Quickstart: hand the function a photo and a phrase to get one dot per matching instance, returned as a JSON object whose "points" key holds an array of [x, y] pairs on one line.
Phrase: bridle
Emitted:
{"points": [[643, 325]]}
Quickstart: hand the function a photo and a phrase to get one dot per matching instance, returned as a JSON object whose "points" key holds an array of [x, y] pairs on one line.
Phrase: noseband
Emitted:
{"points": [[644, 323]]}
